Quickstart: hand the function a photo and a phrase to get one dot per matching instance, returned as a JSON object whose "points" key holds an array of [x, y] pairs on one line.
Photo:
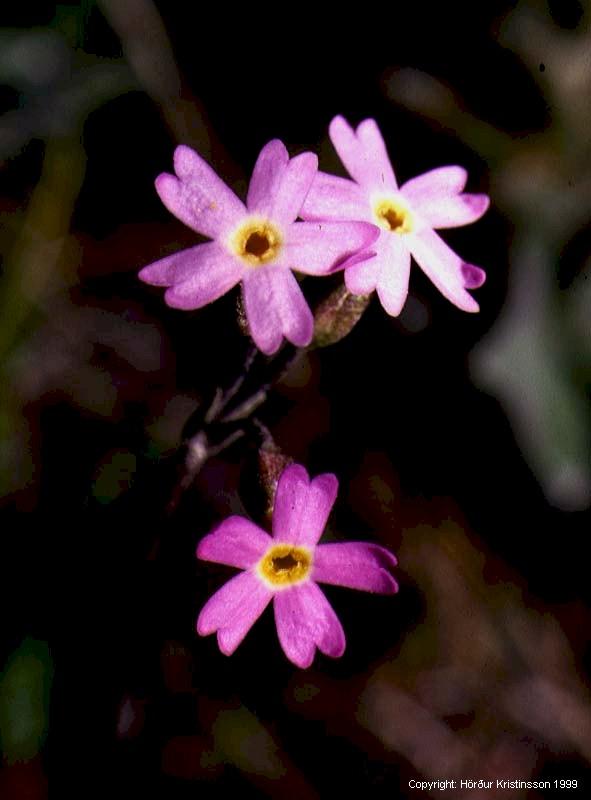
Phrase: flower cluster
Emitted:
{"points": [[370, 228], [286, 569], [367, 226]]}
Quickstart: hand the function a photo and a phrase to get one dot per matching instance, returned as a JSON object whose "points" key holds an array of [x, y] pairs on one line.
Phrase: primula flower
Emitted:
{"points": [[258, 244], [286, 568], [407, 217]]}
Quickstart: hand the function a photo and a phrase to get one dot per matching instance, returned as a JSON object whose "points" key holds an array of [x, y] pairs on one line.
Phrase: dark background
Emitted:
{"points": [[478, 668]]}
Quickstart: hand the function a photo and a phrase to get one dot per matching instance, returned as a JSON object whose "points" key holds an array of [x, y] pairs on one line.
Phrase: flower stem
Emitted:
{"points": [[229, 416]]}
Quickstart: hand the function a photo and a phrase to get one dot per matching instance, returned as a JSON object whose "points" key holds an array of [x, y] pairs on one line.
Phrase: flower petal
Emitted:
{"points": [[161, 273], [318, 248], [302, 506], [294, 187], [266, 176], [359, 258], [233, 610], [453, 211], [297, 320], [263, 318], [198, 275], [199, 199], [279, 186], [305, 620], [363, 154], [362, 278], [214, 206], [236, 541], [335, 198], [357, 565], [372, 141], [444, 268], [394, 273], [275, 306], [181, 266], [435, 184]]}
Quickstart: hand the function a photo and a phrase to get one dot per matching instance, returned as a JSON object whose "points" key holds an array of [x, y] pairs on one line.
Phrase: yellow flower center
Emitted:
{"points": [[256, 242], [393, 216], [284, 565]]}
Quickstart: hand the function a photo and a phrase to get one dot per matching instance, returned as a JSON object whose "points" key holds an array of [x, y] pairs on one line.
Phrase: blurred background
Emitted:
{"points": [[461, 442]]}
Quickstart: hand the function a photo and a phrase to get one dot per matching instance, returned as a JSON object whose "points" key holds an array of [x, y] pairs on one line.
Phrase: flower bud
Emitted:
{"points": [[336, 316]]}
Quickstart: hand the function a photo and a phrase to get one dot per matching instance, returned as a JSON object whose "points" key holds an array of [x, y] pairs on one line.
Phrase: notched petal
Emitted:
{"points": [[306, 620], [356, 565], [198, 197], [236, 541]]}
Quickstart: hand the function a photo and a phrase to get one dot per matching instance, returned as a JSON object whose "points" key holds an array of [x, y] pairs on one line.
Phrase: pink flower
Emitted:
{"points": [[258, 244], [286, 568], [407, 217]]}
